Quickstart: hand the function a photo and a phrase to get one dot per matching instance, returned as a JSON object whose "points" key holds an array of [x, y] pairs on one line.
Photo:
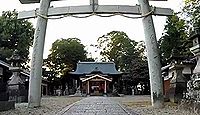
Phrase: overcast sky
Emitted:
{"points": [[89, 29]]}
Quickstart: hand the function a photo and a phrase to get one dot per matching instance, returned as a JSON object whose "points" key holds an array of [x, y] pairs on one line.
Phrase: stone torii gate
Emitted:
{"points": [[44, 13]]}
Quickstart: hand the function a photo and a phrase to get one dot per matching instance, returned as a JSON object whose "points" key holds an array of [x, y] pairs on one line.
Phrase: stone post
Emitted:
{"points": [[153, 56], [78, 90], [66, 89], [34, 96]]}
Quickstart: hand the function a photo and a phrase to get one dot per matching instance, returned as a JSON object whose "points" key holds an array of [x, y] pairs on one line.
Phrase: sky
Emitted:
{"points": [[88, 30]]}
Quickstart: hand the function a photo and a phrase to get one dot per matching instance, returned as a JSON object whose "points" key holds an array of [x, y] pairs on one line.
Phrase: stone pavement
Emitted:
{"points": [[94, 106]]}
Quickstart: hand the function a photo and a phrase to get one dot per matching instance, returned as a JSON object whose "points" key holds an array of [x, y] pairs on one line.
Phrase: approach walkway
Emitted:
{"points": [[95, 106]]}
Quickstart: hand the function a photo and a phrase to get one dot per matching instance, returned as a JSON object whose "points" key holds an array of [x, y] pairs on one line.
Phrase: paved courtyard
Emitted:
{"points": [[94, 106]]}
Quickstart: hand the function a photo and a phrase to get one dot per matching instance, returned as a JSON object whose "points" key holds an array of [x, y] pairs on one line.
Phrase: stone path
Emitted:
{"points": [[94, 106]]}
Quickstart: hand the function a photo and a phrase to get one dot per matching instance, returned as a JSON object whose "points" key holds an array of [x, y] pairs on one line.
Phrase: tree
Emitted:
{"points": [[192, 12], [127, 54], [65, 53], [174, 39], [15, 34], [116, 46]]}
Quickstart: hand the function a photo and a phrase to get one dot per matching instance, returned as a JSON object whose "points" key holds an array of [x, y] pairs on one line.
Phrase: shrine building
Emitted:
{"points": [[96, 78]]}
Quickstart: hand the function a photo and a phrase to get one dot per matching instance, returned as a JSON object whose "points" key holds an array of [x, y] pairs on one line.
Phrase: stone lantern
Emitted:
{"points": [[15, 67], [15, 60], [196, 49], [16, 84], [193, 85], [178, 81]]}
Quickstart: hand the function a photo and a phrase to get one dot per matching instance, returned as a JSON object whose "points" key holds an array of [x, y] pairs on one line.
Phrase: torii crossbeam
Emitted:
{"points": [[43, 14], [95, 8]]}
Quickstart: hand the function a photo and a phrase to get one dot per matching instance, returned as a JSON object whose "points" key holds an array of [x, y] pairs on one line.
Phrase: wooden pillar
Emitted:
{"points": [[105, 89], [88, 85], [46, 89]]}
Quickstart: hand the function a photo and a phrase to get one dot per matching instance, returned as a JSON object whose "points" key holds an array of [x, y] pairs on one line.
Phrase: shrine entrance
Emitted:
{"points": [[95, 85]]}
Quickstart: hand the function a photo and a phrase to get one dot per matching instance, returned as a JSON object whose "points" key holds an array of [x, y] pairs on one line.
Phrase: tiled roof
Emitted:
{"points": [[90, 67]]}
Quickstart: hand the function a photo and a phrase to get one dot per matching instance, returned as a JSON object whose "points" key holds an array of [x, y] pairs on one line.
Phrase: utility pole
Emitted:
{"points": [[153, 56], [34, 97]]}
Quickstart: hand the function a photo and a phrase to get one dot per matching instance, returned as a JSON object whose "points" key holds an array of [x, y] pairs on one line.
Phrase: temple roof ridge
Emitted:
{"points": [[99, 62], [98, 67]]}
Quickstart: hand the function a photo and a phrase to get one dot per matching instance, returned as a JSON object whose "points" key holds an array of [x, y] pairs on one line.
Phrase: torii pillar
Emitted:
{"points": [[35, 79], [153, 56]]}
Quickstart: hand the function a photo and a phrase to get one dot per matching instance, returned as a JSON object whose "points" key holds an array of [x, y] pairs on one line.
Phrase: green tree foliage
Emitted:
{"points": [[15, 34], [174, 39], [127, 54], [192, 12], [115, 46], [65, 53]]}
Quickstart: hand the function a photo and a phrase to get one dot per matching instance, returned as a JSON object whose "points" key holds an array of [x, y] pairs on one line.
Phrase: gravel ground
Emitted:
{"points": [[49, 106], [142, 106], [134, 104]]}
